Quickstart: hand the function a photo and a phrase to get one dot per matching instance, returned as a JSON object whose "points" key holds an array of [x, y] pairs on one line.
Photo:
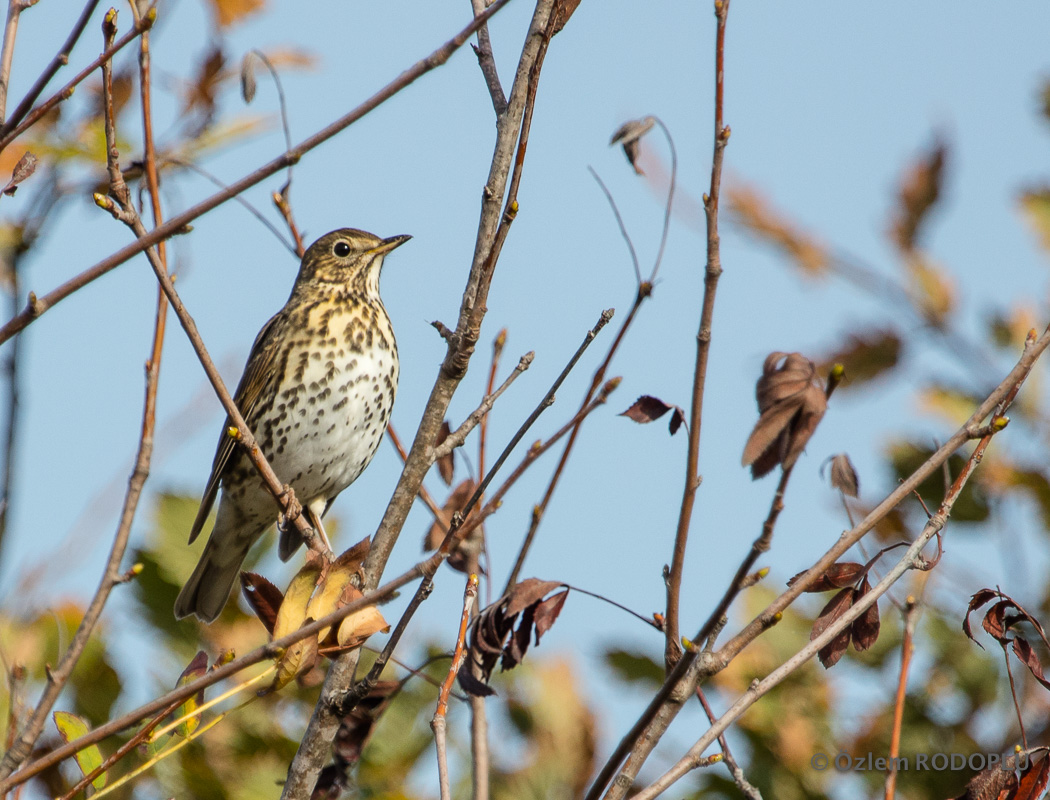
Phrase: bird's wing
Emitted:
{"points": [[260, 363]]}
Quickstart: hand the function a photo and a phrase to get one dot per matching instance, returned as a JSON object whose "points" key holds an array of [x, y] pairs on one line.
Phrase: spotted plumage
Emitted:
{"points": [[317, 392]]}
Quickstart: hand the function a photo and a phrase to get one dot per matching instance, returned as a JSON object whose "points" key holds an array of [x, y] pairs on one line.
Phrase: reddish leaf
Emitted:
{"points": [[518, 644], [837, 576], [646, 409], [865, 629], [677, 421], [445, 464], [1023, 650], [976, 601], [356, 727], [1034, 779], [830, 653], [457, 501], [835, 608], [995, 620], [547, 613], [263, 597], [529, 591]]}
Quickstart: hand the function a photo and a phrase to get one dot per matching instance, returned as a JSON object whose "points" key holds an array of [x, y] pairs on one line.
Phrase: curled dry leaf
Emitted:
{"points": [[494, 637], [263, 597], [462, 554], [357, 627], [291, 616], [248, 85], [356, 727], [865, 628], [844, 475], [991, 784], [446, 464], [25, 167], [920, 188], [628, 137], [648, 408], [791, 402], [999, 622], [1034, 778]]}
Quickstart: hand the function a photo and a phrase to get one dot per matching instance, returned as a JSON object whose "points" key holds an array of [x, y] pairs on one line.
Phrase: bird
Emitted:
{"points": [[317, 392]]}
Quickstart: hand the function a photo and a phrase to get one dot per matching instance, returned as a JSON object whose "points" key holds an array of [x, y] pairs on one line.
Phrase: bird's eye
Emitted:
{"points": [[341, 249]]}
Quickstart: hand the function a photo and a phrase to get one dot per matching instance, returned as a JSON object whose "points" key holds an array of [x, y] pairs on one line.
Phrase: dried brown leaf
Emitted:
{"points": [[835, 608], [527, 592], [456, 501], [830, 653], [1034, 779], [844, 475], [994, 621], [547, 612], [356, 727], [263, 597], [677, 421], [357, 627], [976, 601], [865, 628], [919, 190], [201, 93], [791, 402], [646, 409], [25, 167], [471, 685], [1024, 652], [446, 464], [837, 576], [994, 783]]}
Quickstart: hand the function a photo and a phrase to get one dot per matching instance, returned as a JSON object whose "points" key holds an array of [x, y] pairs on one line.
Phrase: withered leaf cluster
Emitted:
{"points": [[648, 408], [1000, 621], [315, 592], [791, 402], [495, 637], [1001, 782], [851, 579]]}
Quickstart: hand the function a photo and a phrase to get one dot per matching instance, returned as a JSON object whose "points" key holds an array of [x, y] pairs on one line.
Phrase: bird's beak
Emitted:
{"points": [[393, 242]]}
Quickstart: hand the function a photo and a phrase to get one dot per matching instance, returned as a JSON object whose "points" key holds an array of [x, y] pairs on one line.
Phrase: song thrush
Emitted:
{"points": [[317, 392]]}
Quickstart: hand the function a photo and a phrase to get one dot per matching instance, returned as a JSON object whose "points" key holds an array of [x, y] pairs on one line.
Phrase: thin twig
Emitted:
{"points": [[712, 272], [39, 305], [487, 62], [910, 613], [746, 787], [1013, 696], [424, 494], [112, 575], [60, 60], [241, 200], [619, 222], [437, 724], [38, 113], [7, 52]]}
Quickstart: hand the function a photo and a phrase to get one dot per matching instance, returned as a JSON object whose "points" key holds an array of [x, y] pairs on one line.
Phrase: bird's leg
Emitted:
{"points": [[291, 508], [315, 520]]}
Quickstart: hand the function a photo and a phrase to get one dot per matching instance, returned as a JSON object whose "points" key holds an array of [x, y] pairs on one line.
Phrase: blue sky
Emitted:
{"points": [[827, 103]]}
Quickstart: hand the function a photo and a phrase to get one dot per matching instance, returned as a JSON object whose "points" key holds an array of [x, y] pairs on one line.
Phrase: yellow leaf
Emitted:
{"points": [[292, 613], [71, 727], [298, 658]]}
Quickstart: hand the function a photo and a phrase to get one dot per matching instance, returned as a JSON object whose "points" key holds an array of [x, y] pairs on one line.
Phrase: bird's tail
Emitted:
{"points": [[206, 592]]}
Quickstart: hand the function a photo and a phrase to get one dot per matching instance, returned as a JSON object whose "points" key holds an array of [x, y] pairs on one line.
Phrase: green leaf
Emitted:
{"points": [[197, 668], [633, 667], [71, 727]]}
